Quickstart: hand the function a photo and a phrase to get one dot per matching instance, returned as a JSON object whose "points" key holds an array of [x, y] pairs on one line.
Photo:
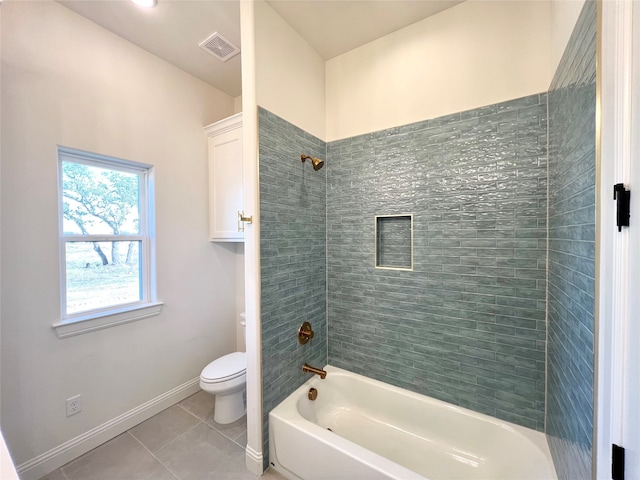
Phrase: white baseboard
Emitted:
{"points": [[62, 454], [254, 461]]}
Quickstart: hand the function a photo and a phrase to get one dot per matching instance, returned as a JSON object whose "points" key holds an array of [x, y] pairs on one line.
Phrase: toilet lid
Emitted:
{"points": [[225, 368]]}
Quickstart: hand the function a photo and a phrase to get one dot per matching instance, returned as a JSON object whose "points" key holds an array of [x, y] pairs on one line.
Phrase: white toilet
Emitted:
{"points": [[226, 378]]}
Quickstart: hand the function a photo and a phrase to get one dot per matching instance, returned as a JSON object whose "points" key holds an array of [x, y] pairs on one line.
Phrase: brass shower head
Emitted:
{"points": [[316, 162]]}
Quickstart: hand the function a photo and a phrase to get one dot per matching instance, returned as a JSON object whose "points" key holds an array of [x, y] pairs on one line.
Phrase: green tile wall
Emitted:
{"points": [[292, 258], [467, 325], [572, 124]]}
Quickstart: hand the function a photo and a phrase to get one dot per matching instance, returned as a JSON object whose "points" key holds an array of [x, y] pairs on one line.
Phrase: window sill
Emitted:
{"points": [[98, 321]]}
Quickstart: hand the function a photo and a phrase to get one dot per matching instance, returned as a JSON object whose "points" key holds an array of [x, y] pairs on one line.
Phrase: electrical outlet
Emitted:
{"points": [[74, 405]]}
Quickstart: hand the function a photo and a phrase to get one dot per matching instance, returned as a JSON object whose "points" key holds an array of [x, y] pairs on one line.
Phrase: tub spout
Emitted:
{"points": [[306, 368]]}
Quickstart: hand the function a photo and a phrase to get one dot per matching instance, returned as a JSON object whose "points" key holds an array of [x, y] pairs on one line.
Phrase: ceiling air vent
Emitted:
{"points": [[219, 47]]}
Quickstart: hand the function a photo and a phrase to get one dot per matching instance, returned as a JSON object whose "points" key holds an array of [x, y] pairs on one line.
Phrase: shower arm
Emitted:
{"points": [[316, 162]]}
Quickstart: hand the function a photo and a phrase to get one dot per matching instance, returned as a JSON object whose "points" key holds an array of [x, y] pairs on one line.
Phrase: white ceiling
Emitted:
{"points": [[333, 27], [174, 28]]}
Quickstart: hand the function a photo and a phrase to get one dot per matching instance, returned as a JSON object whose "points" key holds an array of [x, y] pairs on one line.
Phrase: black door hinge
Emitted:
{"points": [[617, 462], [622, 196]]}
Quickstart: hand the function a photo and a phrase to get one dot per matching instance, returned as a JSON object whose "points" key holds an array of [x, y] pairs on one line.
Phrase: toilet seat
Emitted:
{"points": [[225, 368]]}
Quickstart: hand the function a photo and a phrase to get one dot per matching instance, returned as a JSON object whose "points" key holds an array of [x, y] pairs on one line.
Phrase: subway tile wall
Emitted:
{"points": [[572, 124], [292, 257], [467, 325]]}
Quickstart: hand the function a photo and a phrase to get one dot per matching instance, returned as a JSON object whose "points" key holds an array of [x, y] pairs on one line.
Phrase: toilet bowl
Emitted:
{"points": [[226, 378]]}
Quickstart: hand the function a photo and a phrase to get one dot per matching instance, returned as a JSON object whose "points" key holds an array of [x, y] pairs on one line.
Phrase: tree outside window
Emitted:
{"points": [[104, 232]]}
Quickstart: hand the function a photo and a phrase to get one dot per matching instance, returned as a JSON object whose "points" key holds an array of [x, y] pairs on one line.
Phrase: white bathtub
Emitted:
{"points": [[380, 431]]}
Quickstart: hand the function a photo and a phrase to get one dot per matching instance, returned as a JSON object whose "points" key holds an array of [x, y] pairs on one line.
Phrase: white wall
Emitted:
{"points": [[239, 298], [0, 218], [66, 81], [290, 74], [564, 15], [474, 54], [237, 104]]}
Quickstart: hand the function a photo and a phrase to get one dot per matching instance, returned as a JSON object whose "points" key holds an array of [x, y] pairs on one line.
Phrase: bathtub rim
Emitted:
{"points": [[357, 452], [287, 411]]}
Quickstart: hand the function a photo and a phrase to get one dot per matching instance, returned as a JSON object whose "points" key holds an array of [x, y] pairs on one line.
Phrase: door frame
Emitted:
{"points": [[617, 110]]}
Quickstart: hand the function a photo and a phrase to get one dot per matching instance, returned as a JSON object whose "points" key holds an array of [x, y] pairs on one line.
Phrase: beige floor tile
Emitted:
{"points": [[242, 439], [233, 431], [118, 459], [201, 405], [164, 427], [203, 454]]}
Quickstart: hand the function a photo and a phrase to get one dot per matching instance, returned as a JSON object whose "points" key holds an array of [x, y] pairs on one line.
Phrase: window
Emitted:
{"points": [[106, 241]]}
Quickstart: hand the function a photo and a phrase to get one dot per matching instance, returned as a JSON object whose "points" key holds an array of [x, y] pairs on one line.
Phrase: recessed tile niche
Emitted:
{"points": [[394, 242]]}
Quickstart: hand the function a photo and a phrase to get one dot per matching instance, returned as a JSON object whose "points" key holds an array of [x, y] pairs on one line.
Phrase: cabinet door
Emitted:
{"points": [[225, 186]]}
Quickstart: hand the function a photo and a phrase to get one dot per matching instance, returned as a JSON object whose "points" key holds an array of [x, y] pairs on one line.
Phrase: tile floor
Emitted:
{"points": [[180, 443]]}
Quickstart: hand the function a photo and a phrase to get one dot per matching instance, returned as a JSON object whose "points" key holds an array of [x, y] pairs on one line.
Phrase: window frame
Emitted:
{"points": [[148, 305]]}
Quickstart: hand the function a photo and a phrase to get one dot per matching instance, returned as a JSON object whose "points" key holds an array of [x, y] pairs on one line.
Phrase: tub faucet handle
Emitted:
{"points": [[305, 333]]}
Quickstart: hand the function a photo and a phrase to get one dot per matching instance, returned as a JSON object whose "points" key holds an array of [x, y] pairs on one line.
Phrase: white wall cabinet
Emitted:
{"points": [[225, 179]]}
